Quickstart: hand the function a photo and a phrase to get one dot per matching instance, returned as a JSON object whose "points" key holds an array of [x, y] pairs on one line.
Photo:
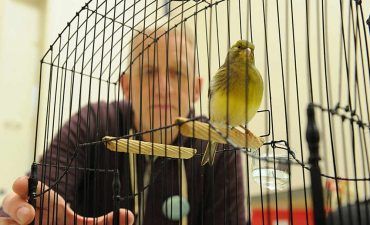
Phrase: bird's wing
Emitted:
{"points": [[218, 81]]}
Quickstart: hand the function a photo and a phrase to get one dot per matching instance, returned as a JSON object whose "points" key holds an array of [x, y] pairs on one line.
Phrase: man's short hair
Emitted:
{"points": [[150, 35]]}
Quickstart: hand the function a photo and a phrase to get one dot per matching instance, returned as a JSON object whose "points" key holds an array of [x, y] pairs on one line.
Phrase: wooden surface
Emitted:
{"points": [[200, 130], [148, 148]]}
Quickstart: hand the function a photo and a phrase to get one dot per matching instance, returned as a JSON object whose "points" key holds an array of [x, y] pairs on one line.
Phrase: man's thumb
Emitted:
{"points": [[126, 217]]}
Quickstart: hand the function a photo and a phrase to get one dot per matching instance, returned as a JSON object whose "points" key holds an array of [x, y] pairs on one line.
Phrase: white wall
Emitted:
{"points": [[21, 36], [27, 28]]}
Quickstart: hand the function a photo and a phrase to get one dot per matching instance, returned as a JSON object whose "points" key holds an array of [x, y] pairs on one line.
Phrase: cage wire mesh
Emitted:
{"points": [[128, 69]]}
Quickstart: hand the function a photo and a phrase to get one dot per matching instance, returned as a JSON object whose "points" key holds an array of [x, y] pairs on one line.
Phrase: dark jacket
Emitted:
{"points": [[215, 194]]}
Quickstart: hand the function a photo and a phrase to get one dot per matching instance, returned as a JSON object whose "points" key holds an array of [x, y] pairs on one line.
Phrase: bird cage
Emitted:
{"points": [[127, 109]]}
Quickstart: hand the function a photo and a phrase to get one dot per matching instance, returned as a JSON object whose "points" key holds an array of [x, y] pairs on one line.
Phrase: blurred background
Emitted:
{"points": [[27, 29]]}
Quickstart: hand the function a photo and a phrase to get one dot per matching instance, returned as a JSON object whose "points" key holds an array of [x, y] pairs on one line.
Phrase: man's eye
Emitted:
{"points": [[149, 71], [179, 73]]}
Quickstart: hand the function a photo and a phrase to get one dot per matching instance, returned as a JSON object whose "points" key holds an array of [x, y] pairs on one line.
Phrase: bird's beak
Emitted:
{"points": [[249, 51]]}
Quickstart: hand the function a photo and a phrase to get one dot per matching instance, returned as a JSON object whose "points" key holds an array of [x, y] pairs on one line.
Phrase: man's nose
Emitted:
{"points": [[163, 84]]}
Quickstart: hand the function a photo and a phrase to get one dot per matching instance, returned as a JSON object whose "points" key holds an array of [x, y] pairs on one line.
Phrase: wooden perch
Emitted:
{"points": [[148, 148], [200, 130]]}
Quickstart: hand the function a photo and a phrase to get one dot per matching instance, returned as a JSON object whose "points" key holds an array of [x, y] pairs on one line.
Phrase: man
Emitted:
{"points": [[160, 85]]}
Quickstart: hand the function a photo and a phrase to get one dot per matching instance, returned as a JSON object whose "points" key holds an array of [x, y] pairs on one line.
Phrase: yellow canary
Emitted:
{"points": [[236, 90]]}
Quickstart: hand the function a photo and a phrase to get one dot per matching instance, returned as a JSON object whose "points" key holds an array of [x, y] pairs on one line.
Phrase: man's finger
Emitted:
{"points": [[20, 187], [126, 218], [18, 209], [7, 221]]}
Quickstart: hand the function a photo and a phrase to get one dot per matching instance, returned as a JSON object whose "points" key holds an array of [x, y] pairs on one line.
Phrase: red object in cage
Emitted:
{"points": [[281, 217]]}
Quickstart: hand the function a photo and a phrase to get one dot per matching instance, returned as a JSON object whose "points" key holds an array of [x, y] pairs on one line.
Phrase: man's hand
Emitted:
{"points": [[20, 212]]}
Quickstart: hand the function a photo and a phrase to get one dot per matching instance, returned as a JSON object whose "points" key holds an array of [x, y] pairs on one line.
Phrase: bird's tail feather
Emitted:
{"points": [[210, 153]]}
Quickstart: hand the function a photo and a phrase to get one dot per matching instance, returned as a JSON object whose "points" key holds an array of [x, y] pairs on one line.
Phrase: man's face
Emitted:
{"points": [[162, 81]]}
